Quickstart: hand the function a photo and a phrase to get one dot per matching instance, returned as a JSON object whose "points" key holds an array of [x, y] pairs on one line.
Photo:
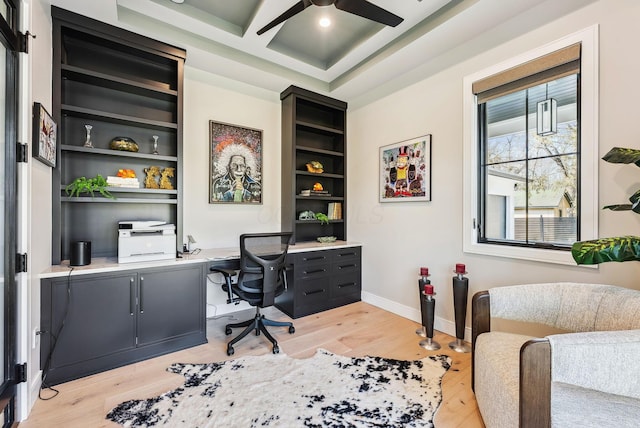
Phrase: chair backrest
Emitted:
{"points": [[262, 263]]}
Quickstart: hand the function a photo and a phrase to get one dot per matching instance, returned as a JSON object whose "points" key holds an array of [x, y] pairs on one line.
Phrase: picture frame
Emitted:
{"points": [[405, 171], [235, 164], [44, 136]]}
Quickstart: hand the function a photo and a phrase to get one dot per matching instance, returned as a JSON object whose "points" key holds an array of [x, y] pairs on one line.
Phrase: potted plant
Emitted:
{"points": [[89, 185], [616, 249]]}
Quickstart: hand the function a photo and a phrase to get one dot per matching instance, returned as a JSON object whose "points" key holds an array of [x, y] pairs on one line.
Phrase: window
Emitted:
{"points": [[531, 153]]}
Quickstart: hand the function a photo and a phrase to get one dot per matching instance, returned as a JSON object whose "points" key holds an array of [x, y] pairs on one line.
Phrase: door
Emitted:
{"points": [[8, 130]]}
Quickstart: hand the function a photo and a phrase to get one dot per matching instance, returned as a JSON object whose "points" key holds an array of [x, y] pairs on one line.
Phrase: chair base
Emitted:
{"points": [[258, 324]]}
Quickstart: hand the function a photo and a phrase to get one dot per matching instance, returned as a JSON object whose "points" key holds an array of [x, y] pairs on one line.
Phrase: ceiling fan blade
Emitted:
{"points": [[293, 10], [369, 10]]}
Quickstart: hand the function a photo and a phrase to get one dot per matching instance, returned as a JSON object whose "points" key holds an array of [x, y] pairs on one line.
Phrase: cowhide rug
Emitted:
{"points": [[326, 390]]}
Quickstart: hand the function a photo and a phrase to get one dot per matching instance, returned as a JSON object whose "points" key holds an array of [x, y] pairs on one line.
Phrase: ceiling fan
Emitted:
{"points": [[361, 8]]}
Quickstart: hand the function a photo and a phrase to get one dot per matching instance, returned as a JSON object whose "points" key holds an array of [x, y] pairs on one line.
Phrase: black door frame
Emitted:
{"points": [[10, 39]]}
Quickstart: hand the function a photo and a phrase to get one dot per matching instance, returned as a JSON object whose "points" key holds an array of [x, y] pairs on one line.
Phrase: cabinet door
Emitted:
{"points": [[98, 313], [170, 303]]}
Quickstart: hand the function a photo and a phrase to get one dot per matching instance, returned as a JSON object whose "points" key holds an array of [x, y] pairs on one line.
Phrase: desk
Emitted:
{"points": [[319, 276]]}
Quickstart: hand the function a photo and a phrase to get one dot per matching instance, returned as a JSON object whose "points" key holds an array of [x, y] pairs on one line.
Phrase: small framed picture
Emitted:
{"points": [[405, 171], [45, 134]]}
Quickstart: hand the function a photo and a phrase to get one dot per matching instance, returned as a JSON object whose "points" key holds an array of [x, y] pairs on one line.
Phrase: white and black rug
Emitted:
{"points": [[326, 390]]}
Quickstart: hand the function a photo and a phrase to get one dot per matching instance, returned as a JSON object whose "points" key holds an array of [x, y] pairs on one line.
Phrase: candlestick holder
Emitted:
{"points": [[424, 274], [460, 293], [88, 142], [428, 317], [155, 145]]}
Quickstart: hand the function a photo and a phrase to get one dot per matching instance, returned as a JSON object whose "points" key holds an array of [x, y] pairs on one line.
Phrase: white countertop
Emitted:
{"points": [[110, 264]]}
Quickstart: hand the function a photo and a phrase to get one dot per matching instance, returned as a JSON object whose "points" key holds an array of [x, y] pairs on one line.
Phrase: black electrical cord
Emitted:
{"points": [[54, 339]]}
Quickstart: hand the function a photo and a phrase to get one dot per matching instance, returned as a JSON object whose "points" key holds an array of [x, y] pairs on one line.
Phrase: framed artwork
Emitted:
{"points": [[235, 164], [45, 134], [405, 171]]}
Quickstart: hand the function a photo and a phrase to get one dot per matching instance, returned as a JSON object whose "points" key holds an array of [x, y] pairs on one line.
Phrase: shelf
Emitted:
{"points": [[322, 175], [319, 151], [113, 82], [320, 198], [109, 152], [135, 190], [116, 118], [320, 127], [101, 199], [317, 221]]}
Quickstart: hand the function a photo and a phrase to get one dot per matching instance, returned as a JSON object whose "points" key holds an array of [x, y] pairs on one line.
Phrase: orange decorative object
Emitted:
{"points": [[126, 173], [317, 186]]}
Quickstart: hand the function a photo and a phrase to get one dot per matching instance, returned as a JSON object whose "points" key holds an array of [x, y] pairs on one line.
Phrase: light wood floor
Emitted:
{"points": [[354, 330]]}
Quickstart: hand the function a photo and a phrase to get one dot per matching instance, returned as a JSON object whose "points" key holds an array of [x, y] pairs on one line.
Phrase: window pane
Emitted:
{"points": [[530, 194]]}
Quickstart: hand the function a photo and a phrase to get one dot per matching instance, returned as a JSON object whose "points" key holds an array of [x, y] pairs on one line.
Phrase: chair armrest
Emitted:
{"points": [[480, 323], [605, 361], [535, 384], [227, 274]]}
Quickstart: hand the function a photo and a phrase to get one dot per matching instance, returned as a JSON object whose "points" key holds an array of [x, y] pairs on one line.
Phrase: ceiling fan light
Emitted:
{"points": [[324, 22]]}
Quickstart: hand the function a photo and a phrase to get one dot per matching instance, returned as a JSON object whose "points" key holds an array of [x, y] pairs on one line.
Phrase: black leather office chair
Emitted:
{"points": [[261, 279]]}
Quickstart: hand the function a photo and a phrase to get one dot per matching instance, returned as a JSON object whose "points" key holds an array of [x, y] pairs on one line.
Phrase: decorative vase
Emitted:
{"points": [[123, 143], [155, 145]]}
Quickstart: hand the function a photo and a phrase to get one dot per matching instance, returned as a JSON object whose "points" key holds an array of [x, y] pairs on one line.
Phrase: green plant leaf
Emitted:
{"points": [[623, 155], [322, 217], [618, 249]]}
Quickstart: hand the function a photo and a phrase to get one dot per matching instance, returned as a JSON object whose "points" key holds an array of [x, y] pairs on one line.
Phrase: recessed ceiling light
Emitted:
{"points": [[324, 22]]}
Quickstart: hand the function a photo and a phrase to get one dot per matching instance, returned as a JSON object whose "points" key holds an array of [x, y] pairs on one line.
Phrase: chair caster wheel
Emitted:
{"points": [[276, 350], [227, 331], [230, 350], [292, 330]]}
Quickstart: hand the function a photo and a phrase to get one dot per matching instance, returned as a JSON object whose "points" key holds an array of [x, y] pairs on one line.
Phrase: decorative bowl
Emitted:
{"points": [[326, 239], [125, 144]]}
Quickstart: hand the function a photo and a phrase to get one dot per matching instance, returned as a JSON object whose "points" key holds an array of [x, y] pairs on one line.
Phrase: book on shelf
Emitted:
{"points": [[335, 211], [133, 183]]}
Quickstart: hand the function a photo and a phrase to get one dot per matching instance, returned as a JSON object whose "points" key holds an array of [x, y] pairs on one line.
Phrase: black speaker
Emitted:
{"points": [[80, 253]]}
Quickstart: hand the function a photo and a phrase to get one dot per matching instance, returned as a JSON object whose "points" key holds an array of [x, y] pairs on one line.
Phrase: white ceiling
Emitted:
{"points": [[355, 59]]}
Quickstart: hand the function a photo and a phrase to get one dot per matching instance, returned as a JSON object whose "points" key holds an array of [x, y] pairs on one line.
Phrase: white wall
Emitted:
{"points": [[398, 238]]}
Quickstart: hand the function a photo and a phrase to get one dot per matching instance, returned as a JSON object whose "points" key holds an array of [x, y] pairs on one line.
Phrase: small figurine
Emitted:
{"points": [[165, 183], [151, 181]]}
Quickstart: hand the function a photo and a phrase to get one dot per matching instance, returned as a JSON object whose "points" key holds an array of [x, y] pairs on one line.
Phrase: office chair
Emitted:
{"points": [[260, 280]]}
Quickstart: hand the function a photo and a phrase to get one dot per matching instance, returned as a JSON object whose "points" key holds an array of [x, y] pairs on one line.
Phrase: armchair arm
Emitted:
{"points": [[605, 361], [227, 274], [535, 384], [480, 323]]}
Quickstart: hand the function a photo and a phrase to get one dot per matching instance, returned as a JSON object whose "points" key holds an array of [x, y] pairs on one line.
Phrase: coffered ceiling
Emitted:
{"points": [[353, 58]]}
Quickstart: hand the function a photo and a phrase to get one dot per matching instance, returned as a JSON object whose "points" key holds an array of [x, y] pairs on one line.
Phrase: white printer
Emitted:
{"points": [[141, 241]]}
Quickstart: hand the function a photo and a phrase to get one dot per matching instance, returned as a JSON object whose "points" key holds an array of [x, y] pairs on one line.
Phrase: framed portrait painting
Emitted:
{"points": [[45, 134], [405, 171], [235, 164]]}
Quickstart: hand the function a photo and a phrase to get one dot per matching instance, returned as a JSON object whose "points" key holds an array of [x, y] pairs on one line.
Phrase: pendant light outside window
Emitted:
{"points": [[547, 116]]}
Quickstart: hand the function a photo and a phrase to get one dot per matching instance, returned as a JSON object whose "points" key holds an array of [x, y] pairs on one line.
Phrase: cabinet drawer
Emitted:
{"points": [[346, 266], [344, 285], [313, 257], [343, 254], [312, 289]]}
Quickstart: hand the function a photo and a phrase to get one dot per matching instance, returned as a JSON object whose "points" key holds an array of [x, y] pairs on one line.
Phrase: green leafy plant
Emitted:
{"points": [[617, 249], [323, 218], [89, 185]]}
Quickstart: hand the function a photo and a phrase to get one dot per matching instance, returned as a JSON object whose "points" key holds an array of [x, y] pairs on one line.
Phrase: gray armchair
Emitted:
{"points": [[586, 374]]}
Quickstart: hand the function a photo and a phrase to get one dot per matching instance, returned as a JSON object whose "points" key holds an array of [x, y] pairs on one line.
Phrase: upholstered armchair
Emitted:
{"points": [[585, 374]]}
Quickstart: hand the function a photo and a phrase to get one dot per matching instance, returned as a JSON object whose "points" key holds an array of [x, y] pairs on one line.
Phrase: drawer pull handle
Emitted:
{"points": [[309, 293], [347, 266], [309, 272], [345, 254], [349, 284], [310, 259]]}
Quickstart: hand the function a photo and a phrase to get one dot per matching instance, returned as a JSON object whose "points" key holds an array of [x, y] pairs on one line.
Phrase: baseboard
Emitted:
{"points": [[440, 324]]}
